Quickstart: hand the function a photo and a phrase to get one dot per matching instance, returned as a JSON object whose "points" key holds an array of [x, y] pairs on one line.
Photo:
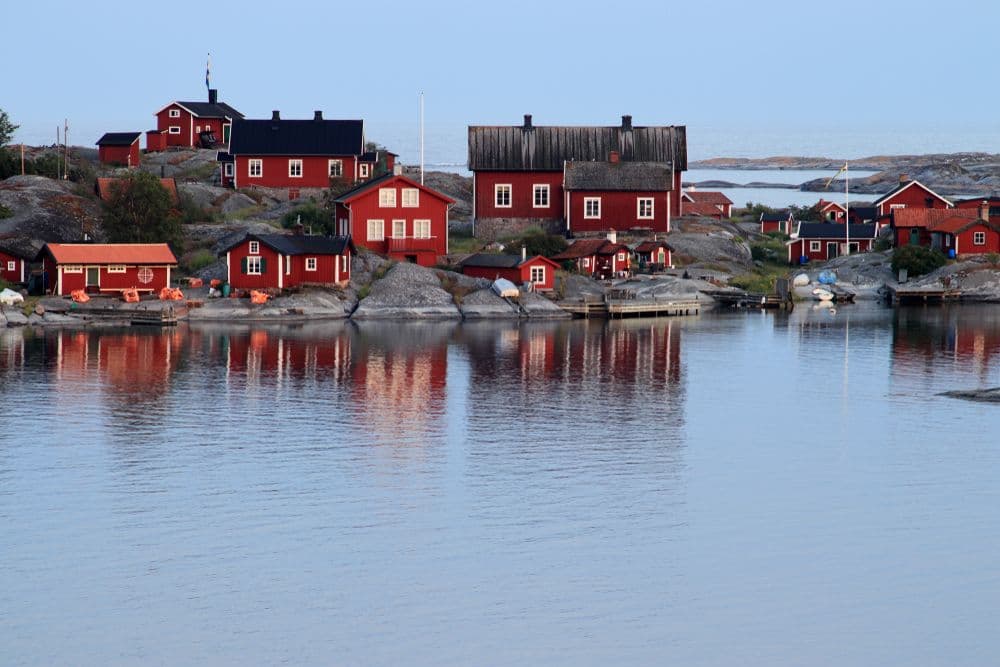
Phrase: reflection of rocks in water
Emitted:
{"points": [[979, 395]]}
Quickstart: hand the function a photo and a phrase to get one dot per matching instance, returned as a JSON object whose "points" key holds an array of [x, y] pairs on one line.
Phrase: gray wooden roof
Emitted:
{"points": [[619, 176], [545, 148]]}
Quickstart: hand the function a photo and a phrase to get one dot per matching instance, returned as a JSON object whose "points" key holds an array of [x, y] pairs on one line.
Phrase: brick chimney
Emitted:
{"points": [[626, 122], [527, 121], [213, 96], [984, 210], [904, 178], [275, 115], [524, 253], [613, 157], [317, 115]]}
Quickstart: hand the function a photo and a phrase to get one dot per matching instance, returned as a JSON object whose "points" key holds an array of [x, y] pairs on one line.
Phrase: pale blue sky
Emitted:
{"points": [[732, 72]]}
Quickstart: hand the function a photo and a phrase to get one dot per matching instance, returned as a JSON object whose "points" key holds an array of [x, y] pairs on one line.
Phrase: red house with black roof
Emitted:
{"points": [[119, 148], [192, 124], [518, 171], [655, 255], [518, 269], [821, 241], [624, 196], [280, 261], [397, 217], [777, 221]]}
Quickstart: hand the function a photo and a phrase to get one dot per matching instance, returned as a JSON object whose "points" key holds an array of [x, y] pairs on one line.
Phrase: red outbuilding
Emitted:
{"points": [[15, 262], [601, 258], [260, 261], [616, 195], [119, 148], [397, 217], [966, 237], [193, 124], [106, 267], [909, 194], [821, 241], [912, 226], [655, 255], [518, 269], [777, 221], [831, 210], [706, 203]]}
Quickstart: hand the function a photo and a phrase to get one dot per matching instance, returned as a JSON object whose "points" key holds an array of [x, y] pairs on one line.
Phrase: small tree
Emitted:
{"points": [[917, 260], [140, 210], [318, 219], [7, 128], [537, 242]]}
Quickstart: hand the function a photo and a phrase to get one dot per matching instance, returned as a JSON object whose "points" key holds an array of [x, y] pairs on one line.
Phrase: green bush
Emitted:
{"points": [[536, 242], [314, 217], [5, 212], [199, 259], [917, 260]]}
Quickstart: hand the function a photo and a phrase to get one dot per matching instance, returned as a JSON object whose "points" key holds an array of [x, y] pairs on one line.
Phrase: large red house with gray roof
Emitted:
{"points": [[192, 124], [105, 267], [615, 195]]}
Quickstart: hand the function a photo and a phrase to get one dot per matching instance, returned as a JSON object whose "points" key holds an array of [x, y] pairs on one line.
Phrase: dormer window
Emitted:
{"points": [[255, 247]]}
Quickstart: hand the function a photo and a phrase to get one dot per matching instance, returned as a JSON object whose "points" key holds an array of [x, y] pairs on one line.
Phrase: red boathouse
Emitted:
{"points": [[518, 269], [259, 261], [106, 267]]}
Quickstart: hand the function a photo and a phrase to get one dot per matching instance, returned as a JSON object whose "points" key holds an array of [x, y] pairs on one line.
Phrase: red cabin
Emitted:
{"points": [[966, 237], [260, 261], [779, 221], [706, 203], [821, 241], [518, 269], [656, 255], [119, 148], [15, 263], [518, 171], [831, 210], [629, 196], [601, 258], [106, 267], [398, 217], [912, 226], [193, 124], [909, 194]]}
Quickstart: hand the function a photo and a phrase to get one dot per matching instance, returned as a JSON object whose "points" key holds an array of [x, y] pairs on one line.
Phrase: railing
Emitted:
{"points": [[411, 244]]}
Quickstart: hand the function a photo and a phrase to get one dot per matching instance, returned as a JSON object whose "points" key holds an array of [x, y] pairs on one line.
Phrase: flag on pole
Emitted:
{"points": [[834, 177], [208, 69]]}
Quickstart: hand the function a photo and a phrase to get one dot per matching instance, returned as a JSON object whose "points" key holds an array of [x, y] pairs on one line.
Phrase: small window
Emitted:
{"points": [[256, 168], [228, 169], [363, 171], [288, 265], [421, 229], [399, 229], [893, 207], [814, 246], [591, 207], [174, 129], [538, 274], [197, 129], [586, 261], [501, 195], [411, 197], [343, 263], [621, 257], [387, 197], [310, 263], [255, 247], [295, 168], [335, 168], [645, 208], [254, 266], [540, 197], [175, 113], [73, 268], [376, 230], [11, 265], [979, 238], [116, 268]]}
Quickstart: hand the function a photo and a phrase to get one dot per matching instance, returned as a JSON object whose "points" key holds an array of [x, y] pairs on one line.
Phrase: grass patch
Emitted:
{"points": [[761, 280], [199, 259], [451, 285]]}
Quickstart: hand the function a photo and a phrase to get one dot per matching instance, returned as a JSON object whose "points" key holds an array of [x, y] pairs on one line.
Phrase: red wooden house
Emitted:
{"points": [[821, 241], [966, 237], [106, 267], [601, 258], [654, 255], [193, 124], [119, 148], [518, 171], [626, 196], [706, 203], [398, 217], [977, 202], [518, 269], [909, 194], [912, 226], [777, 221], [15, 262], [259, 261], [831, 211]]}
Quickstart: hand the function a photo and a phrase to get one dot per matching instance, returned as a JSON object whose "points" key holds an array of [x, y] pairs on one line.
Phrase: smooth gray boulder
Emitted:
{"points": [[486, 304], [12, 316], [407, 291]]}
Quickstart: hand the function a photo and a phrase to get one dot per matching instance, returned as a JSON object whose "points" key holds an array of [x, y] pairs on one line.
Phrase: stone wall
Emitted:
{"points": [[490, 229]]}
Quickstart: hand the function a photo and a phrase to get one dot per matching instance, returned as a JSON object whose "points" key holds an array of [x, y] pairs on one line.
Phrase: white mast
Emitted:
{"points": [[847, 207], [421, 138]]}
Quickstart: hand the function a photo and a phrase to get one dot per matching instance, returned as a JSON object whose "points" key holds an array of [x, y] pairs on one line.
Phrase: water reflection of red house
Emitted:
{"points": [[969, 335], [278, 354]]}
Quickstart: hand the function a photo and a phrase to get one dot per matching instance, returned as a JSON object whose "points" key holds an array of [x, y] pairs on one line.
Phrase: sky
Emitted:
{"points": [[746, 78]]}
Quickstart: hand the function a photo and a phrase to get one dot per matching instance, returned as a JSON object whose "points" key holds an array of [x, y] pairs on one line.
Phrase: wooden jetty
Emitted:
{"points": [[740, 299], [904, 295], [165, 316], [624, 303]]}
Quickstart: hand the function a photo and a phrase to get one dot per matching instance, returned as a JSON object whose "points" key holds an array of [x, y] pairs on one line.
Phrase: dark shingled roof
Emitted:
{"points": [[530, 148], [119, 138], [20, 246], [621, 176], [777, 216], [211, 110], [294, 244], [832, 230], [588, 247], [487, 260], [864, 212], [297, 137], [650, 246]]}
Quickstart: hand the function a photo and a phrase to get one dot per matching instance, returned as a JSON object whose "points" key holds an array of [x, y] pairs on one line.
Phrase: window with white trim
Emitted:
{"points": [[591, 207], [174, 113], [411, 197], [174, 129], [310, 263], [621, 257], [815, 246], [978, 238], [254, 266], [73, 268], [295, 168], [399, 229], [363, 171], [116, 268], [228, 169], [288, 265], [421, 229], [538, 274], [335, 168], [254, 247], [387, 197], [11, 265], [644, 208], [540, 195], [893, 207], [376, 230], [255, 168], [501, 195], [343, 264]]}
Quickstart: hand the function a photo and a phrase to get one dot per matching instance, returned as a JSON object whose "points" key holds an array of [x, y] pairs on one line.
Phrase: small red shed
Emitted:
{"points": [[777, 221], [14, 263], [259, 261], [539, 271], [106, 267], [654, 254], [602, 258], [119, 148]]}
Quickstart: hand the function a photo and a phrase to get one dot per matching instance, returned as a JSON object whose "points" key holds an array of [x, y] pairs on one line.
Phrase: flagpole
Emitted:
{"points": [[847, 206], [421, 138]]}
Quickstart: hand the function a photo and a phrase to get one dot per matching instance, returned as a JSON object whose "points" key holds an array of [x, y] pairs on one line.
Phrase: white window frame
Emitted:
{"points": [[294, 168], [11, 265], [288, 265], [254, 248], [253, 266], [621, 257], [978, 238], [174, 113], [422, 229], [410, 198], [893, 207], [640, 203], [343, 264], [228, 169], [378, 226], [310, 263], [116, 268], [592, 208], [73, 268], [543, 189], [174, 129], [363, 170], [387, 197], [505, 190], [399, 229], [537, 275], [335, 168], [815, 246], [259, 164]]}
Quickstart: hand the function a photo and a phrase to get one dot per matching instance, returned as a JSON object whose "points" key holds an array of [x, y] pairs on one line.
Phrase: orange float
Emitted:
{"points": [[79, 296], [130, 295], [258, 297]]}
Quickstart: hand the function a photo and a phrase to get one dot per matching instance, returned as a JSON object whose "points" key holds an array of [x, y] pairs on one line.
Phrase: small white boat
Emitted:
{"points": [[505, 289], [823, 294]]}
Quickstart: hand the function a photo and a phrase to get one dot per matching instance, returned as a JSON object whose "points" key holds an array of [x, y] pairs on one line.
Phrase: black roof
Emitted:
{"points": [[223, 156], [297, 137], [211, 109], [864, 212], [488, 260], [776, 216], [832, 230], [119, 138], [296, 244], [622, 176], [529, 148]]}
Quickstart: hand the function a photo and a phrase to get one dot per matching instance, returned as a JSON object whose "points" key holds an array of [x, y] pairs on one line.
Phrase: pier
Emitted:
{"points": [[620, 304]]}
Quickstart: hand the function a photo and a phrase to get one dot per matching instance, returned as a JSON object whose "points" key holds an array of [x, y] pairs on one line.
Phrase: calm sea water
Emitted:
{"points": [[726, 490]]}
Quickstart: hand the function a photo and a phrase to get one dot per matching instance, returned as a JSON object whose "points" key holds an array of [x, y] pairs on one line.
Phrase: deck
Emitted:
{"points": [[620, 306], [904, 295]]}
